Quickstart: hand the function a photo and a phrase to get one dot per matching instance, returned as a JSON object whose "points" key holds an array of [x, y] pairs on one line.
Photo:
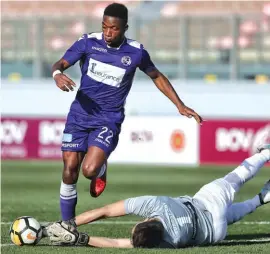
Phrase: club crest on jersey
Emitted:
{"points": [[126, 60]]}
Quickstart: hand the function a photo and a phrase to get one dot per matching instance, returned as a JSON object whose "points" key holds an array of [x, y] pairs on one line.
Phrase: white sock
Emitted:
{"points": [[247, 170], [238, 210], [266, 153], [68, 191], [102, 170], [68, 200], [251, 166]]}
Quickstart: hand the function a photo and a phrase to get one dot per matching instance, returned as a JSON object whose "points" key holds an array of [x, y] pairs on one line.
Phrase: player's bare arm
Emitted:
{"points": [[62, 233], [61, 80], [164, 85], [113, 210], [103, 242], [116, 209]]}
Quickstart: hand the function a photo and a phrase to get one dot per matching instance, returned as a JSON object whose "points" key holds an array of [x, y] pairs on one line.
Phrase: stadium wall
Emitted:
{"points": [[221, 100], [238, 117]]}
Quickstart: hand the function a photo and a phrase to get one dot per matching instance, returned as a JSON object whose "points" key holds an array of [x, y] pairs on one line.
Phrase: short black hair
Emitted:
{"points": [[117, 10], [148, 234]]}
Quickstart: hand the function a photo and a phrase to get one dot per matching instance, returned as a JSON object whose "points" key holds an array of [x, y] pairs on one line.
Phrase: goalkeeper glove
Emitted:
{"points": [[65, 234]]}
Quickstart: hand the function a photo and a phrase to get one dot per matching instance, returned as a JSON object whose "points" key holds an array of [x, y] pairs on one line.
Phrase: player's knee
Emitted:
{"points": [[89, 169], [70, 175], [71, 171]]}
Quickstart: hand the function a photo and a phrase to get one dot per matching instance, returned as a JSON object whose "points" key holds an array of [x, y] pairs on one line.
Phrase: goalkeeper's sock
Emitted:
{"points": [[237, 211], [68, 200]]}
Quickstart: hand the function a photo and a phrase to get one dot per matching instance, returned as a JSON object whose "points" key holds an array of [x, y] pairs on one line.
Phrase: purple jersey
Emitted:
{"points": [[97, 112], [107, 76]]}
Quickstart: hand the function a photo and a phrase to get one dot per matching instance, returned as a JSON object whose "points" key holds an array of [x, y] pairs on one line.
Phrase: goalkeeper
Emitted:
{"points": [[173, 222]]}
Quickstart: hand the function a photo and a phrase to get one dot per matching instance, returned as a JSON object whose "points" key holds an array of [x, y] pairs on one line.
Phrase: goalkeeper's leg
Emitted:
{"points": [[239, 210], [248, 169], [218, 195]]}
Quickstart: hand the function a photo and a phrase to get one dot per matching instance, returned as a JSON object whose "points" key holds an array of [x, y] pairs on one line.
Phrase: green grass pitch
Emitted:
{"points": [[32, 188]]}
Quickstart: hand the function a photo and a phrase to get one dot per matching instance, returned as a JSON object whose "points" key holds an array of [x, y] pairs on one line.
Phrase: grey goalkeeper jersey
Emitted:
{"points": [[185, 220]]}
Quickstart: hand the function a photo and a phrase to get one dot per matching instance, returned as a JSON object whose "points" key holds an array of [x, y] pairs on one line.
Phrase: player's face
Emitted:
{"points": [[114, 30]]}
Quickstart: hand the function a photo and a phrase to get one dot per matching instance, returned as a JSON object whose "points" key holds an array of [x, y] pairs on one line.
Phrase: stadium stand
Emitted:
{"points": [[208, 33]]}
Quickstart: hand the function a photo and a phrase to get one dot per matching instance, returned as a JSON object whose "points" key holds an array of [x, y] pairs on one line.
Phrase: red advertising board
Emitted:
{"points": [[27, 138], [231, 141]]}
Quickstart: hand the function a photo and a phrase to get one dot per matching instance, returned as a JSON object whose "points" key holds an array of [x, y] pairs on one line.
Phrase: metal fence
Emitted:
{"points": [[189, 47]]}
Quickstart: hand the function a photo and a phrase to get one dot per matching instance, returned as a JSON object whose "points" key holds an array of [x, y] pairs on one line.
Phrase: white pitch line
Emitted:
{"points": [[260, 240], [254, 222], [134, 222]]}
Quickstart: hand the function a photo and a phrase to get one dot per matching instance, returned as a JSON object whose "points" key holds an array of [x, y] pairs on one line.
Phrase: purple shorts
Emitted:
{"points": [[79, 135]]}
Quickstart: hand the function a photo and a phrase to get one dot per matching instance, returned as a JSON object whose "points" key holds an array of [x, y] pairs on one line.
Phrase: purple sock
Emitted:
{"points": [[68, 200]]}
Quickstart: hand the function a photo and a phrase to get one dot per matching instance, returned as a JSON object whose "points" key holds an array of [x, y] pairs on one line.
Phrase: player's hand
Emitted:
{"points": [[63, 233], [64, 82], [46, 229], [189, 112]]}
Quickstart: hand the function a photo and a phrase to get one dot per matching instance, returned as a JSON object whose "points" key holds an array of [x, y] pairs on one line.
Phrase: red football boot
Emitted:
{"points": [[98, 184]]}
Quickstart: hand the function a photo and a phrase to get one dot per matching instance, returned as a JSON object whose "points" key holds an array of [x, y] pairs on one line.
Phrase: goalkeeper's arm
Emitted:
{"points": [[113, 210], [103, 242], [65, 234]]}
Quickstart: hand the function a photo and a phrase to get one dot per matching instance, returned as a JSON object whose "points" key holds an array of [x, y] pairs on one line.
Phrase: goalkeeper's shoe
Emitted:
{"points": [[264, 146], [98, 184], [264, 195]]}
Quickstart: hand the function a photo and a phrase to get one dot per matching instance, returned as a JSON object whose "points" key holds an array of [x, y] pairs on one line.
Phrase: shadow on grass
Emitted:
{"points": [[59, 246], [245, 239], [231, 240]]}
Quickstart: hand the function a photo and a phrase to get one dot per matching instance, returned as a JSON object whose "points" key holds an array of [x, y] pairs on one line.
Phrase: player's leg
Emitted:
{"points": [[101, 142], [248, 169], [74, 147], [95, 158], [218, 195], [95, 168], [68, 191], [215, 197], [239, 210]]}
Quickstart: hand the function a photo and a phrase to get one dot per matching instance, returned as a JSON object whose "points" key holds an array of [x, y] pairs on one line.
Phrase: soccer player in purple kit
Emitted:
{"points": [[108, 62]]}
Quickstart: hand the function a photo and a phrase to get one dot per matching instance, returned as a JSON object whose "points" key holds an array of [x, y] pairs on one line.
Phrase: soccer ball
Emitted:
{"points": [[25, 231]]}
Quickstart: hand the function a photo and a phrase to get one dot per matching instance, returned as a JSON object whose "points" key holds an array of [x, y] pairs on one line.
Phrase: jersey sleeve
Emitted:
{"points": [[76, 51], [142, 206], [146, 64]]}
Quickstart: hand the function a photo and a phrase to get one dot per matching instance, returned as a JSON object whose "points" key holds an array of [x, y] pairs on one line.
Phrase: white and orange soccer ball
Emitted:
{"points": [[25, 231]]}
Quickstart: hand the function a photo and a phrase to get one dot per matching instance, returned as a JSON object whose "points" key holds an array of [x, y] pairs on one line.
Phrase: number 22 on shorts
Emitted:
{"points": [[106, 135]]}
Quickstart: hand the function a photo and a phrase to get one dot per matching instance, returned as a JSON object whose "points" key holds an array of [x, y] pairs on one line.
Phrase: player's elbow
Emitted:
{"points": [[155, 74], [107, 211], [114, 210], [61, 65]]}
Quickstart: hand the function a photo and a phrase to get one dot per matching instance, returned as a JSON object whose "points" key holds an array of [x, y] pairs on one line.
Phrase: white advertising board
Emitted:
{"points": [[155, 140], [163, 140]]}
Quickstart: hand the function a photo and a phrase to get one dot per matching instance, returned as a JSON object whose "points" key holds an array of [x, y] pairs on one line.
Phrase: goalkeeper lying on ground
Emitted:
{"points": [[173, 222]]}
